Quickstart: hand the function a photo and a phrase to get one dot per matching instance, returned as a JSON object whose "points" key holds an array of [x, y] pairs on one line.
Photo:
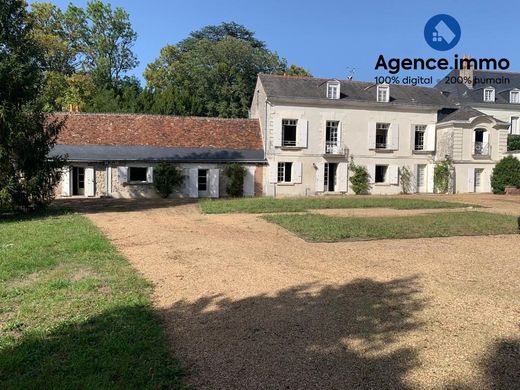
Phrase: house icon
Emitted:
{"points": [[442, 32]]}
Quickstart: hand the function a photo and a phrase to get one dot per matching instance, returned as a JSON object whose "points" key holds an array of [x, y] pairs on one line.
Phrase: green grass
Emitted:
{"points": [[278, 205], [316, 227], [73, 313]]}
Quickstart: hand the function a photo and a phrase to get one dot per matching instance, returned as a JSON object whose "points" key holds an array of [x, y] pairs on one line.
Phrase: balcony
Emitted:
{"points": [[481, 149], [333, 148]]}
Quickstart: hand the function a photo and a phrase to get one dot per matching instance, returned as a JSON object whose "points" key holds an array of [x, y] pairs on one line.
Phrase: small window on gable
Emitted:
{"points": [[383, 93], [514, 96], [489, 94], [333, 90]]}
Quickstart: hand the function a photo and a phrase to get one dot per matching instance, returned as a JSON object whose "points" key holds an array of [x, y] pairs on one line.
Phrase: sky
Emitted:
{"points": [[332, 37]]}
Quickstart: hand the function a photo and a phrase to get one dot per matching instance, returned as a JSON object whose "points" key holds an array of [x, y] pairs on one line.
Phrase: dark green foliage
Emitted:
{"points": [[442, 176], [27, 176], [166, 179], [513, 142], [236, 174], [360, 179], [506, 173]]}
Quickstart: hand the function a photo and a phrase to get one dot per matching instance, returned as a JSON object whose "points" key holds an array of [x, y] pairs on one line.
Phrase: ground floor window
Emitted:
{"points": [[78, 181], [284, 172], [381, 173], [203, 180], [137, 173]]}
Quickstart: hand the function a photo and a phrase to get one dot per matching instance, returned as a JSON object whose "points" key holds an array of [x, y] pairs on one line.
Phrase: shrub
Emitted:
{"points": [[360, 179], [505, 173], [513, 142], [166, 179], [236, 174], [405, 177], [442, 176]]}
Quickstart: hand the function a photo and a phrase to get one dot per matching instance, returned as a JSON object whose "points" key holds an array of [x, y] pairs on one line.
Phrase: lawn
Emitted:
{"points": [[315, 227], [277, 205], [73, 313]]}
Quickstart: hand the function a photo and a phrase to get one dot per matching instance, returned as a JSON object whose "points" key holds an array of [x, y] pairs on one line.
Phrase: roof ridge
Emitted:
{"points": [[127, 114]]}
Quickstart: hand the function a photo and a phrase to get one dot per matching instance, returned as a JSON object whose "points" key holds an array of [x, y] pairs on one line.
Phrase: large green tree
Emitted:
{"points": [[27, 175]]}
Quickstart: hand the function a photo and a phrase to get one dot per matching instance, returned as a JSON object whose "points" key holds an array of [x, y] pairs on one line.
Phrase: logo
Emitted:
{"points": [[442, 32]]}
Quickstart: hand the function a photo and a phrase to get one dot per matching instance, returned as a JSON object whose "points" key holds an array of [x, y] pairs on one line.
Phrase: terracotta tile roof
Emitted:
{"points": [[160, 131]]}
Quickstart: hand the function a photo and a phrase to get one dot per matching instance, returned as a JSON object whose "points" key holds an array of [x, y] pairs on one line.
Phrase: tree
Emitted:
{"points": [[442, 176], [295, 70], [166, 179], [506, 173], [27, 175], [236, 174]]}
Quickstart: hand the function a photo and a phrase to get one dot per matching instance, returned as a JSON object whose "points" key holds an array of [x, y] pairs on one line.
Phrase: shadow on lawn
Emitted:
{"points": [[110, 205], [306, 337]]}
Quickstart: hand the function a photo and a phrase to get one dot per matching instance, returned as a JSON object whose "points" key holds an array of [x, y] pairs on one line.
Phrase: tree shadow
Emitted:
{"points": [[306, 337], [14, 216]]}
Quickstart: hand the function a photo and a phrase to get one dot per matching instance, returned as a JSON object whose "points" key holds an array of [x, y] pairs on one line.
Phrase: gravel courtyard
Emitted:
{"points": [[247, 305]]}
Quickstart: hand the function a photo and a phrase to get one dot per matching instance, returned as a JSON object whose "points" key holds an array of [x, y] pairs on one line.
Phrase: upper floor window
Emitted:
{"points": [[420, 131], [515, 128], [382, 135], [489, 94], [289, 132], [333, 90], [514, 96], [383, 93]]}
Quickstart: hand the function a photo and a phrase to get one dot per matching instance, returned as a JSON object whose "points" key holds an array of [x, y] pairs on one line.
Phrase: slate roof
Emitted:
{"points": [[95, 153], [314, 90], [460, 93], [465, 114]]}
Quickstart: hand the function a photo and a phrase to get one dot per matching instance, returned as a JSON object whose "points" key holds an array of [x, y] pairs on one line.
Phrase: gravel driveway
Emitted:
{"points": [[248, 305]]}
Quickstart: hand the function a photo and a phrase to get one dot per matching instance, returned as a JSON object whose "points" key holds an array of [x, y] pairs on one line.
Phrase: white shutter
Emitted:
{"points": [[394, 134], [430, 171], [273, 172], [393, 174], [66, 181], [301, 133], [371, 168], [297, 172], [340, 136], [89, 181], [485, 137], [193, 183], [122, 174], [249, 181], [342, 176], [277, 132], [185, 190], [320, 177], [471, 180], [430, 138], [214, 183], [149, 175], [371, 135], [487, 179], [412, 137]]}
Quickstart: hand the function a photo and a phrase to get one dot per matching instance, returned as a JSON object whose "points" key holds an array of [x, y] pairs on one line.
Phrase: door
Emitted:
{"points": [[479, 185], [78, 181], [421, 178], [330, 177], [202, 183]]}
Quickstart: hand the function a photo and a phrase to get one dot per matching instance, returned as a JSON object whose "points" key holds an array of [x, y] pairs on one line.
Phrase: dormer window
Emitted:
{"points": [[514, 96], [383, 93], [333, 90], [489, 95]]}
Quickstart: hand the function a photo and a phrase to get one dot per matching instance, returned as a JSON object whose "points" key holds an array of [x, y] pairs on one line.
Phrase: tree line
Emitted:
{"points": [[88, 55]]}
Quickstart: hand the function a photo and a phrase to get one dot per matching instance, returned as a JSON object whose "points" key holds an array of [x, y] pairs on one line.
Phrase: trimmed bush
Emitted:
{"points": [[360, 179], [166, 179], [236, 174], [442, 176], [513, 142], [506, 173]]}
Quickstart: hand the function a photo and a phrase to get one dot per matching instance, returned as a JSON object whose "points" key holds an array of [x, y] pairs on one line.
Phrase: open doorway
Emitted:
{"points": [[330, 177], [78, 181]]}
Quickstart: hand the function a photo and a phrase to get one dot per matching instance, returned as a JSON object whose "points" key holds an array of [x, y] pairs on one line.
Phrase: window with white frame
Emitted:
{"points": [[284, 172], [382, 135], [489, 94], [514, 96], [381, 171], [420, 131], [138, 174], [383, 93], [333, 90], [514, 129], [289, 132]]}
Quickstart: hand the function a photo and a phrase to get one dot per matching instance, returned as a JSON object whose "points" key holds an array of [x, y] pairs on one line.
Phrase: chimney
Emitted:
{"points": [[466, 71]]}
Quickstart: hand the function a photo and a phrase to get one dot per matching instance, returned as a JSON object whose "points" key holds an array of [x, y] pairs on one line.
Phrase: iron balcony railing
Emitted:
{"points": [[481, 149], [334, 147]]}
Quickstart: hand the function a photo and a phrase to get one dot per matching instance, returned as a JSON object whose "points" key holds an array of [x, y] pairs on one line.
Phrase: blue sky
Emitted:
{"points": [[329, 36]]}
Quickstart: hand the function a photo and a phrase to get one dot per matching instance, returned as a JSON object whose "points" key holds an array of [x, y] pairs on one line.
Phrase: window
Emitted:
{"points": [[481, 146], [514, 96], [284, 172], [382, 135], [137, 173], [289, 132], [333, 90], [420, 130], [381, 173], [331, 136], [383, 93], [489, 94], [203, 180], [514, 125]]}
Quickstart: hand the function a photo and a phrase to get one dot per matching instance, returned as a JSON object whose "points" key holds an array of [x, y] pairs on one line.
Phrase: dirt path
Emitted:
{"points": [[249, 306]]}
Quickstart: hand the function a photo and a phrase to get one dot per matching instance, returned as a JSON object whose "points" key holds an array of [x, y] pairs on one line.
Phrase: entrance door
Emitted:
{"points": [[421, 178], [78, 181], [478, 179], [330, 177], [203, 183]]}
